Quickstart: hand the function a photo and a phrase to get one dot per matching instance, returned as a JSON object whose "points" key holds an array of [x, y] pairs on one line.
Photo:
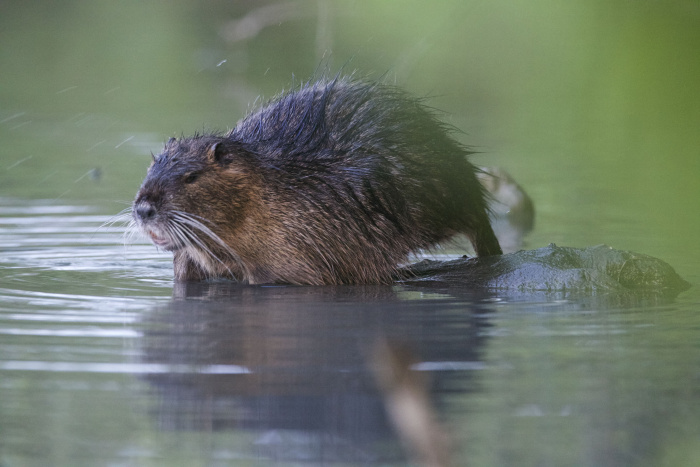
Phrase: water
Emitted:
{"points": [[105, 362], [591, 106]]}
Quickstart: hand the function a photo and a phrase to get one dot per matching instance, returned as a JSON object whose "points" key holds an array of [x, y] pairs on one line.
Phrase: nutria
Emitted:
{"points": [[334, 183]]}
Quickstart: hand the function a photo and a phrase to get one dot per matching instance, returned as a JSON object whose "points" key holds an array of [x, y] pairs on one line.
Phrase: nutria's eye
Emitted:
{"points": [[191, 177]]}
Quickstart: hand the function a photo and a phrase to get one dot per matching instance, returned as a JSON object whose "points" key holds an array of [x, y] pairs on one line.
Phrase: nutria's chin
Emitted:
{"points": [[336, 183]]}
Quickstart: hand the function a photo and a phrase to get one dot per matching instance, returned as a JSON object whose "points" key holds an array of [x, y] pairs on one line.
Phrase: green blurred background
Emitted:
{"points": [[592, 105]]}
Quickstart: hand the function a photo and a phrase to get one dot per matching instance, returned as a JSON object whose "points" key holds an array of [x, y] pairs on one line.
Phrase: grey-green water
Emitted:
{"points": [[594, 107]]}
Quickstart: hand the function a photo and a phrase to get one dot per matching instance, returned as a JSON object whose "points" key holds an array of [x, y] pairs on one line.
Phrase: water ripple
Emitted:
{"points": [[123, 368]]}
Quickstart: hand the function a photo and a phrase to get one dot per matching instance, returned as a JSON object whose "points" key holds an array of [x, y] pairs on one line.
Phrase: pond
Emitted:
{"points": [[593, 107]]}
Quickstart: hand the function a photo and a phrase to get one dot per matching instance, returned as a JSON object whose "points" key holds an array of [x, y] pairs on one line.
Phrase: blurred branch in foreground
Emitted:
{"points": [[408, 405]]}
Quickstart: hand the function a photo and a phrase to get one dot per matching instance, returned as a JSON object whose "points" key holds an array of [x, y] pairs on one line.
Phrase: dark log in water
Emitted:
{"points": [[552, 268]]}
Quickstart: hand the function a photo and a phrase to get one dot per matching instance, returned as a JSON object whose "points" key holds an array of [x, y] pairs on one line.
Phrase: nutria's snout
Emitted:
{"points": [[144, 211], [145, 207], [157, 238], [337, 182]]}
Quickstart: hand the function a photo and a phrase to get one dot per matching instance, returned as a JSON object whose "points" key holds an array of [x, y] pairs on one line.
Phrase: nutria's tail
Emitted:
{"points": [[484, 241]]}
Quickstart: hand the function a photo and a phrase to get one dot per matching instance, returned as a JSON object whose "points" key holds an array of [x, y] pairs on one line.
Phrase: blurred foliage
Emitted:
{"points": [[592, 105]]}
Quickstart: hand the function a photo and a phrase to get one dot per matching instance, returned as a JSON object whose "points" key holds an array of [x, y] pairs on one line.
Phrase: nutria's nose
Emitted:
{"points": [[145, 211]]}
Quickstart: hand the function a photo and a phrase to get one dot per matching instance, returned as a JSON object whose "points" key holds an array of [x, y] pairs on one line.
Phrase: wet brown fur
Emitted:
{"points": [[335, 183]]}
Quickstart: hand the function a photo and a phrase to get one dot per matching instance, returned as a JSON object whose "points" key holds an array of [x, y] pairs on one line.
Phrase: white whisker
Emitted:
{"points": [[131, 231], [190, 221], [121, 217], [188, 231], [188, 236]]}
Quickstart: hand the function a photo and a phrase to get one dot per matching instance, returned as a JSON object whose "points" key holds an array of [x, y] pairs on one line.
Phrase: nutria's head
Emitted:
{"points": [[196, 193]]}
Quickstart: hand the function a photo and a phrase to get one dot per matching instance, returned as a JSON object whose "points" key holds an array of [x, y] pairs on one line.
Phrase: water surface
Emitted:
{"points": [[105, 361]]}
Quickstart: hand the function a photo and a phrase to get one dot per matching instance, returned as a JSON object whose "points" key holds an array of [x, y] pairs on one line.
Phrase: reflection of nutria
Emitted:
{"points": [[335, 183]]}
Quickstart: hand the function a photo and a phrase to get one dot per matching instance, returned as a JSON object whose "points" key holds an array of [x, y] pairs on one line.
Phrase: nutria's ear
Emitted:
{"points": [[216, 153]]}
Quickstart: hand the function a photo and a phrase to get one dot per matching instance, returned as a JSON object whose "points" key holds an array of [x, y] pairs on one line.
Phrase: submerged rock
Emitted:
{"points": [[552, 268]]}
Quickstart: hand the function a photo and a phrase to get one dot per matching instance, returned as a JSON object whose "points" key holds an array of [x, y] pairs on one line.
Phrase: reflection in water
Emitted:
{"points": [[295, 366]]}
